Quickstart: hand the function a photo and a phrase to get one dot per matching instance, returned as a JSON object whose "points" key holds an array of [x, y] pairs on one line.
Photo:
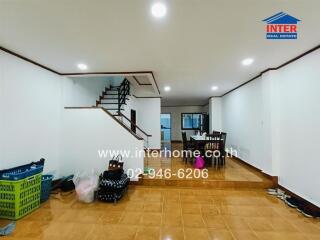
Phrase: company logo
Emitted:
{"points": [[281, 26]]}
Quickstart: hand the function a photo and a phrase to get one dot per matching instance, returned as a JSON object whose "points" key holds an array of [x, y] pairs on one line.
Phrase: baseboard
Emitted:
{"points": [[137, 181], [309, 204], [274, 179]]}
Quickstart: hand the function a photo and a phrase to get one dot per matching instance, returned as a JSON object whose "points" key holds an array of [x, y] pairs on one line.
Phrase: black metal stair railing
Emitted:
{"points": [[123, 92]]}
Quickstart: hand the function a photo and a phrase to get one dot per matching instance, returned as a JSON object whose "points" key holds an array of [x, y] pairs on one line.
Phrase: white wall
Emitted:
{"points": [[242, 114], [30, 108], [215, 117], [95, 130], [32, 126], [83, 91], [176, 119], [274, 123], [148, 118]]}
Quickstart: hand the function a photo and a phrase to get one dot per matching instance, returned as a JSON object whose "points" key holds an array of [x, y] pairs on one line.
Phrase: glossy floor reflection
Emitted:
{"points": [[234, 174], [169, 213]]}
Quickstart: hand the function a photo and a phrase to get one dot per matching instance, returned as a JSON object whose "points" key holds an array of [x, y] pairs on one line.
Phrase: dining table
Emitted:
{"points": [[200, 141]]}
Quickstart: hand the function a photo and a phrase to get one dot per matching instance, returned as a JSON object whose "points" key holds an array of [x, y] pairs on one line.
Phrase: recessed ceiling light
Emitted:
{"points": [[167, 88], [247, 61], [159, 10], [214, 88], [82, 66]]}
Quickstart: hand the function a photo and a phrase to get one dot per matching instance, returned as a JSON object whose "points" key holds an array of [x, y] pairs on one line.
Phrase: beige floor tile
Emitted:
{"points": [[215, 234], [193, 220], [172, 219], [152, 207], [151, 219], [130, 218], [259, 224], [214, 222], [172, 233], [196, 233], [191, 208], [110, 217], [244, 235], [236, 223], [148, 233]]}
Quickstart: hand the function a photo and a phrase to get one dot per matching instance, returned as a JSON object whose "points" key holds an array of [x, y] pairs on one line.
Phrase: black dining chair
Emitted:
{"points": [[212, 145], [187, 146], [222, 147]]}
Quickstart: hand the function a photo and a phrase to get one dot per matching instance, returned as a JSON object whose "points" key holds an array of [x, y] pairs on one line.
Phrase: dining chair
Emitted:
{"points": [[213, 143], [187, 145], [222, 146]]}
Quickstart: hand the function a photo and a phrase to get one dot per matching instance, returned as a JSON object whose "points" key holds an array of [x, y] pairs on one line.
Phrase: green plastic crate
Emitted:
{"points": [[18, 198]]}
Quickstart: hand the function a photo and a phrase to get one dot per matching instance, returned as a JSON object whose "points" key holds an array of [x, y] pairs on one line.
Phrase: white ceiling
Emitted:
{"points": [[197, 45]]}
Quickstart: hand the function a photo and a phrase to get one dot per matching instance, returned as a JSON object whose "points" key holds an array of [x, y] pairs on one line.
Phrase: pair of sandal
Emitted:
{"points": [[301, 206], [8, 229]]}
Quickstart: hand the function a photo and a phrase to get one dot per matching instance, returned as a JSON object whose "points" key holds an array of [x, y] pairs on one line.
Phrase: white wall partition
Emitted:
{"points": [[215, 117], [30, 99], [93, 131], [273, 122], [32, 102], [148, 118]]}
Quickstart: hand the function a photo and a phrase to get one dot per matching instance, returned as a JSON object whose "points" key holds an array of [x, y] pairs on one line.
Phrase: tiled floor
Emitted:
{"points": [[232, 206], [234, 174], [170, 213]]}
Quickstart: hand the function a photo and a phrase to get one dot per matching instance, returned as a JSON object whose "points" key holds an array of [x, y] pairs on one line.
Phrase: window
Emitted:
{"points": [[191, 121]]}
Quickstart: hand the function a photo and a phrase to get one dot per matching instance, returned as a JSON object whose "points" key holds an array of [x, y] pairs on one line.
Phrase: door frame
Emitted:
{"points": [[133, 123]]}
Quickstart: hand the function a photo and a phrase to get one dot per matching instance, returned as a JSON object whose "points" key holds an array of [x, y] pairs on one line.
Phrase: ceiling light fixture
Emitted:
{"points": [[82, 66], [214, 88], [167, 88], [247, 61], [159, 10]]}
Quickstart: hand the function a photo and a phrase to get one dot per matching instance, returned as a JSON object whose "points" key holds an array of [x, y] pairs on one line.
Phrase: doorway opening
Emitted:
{"points": [[165, 121]]}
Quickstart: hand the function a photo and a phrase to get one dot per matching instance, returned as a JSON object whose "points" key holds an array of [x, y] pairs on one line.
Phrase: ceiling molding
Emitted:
{"points": [[151, 72], [76, 73], [193, 105], [274, 68], [145, 97], [28, 60], [141, 84]]}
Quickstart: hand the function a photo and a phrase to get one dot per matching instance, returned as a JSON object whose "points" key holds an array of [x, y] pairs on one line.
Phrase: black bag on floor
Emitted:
{"points": [[113, 175], [111, 190]]}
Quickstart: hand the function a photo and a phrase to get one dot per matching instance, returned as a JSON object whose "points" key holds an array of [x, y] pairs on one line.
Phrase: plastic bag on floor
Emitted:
{"points": [[199, 163], [86, 185]]}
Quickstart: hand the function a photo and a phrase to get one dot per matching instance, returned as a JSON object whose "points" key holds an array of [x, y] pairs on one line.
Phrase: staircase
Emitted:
{"points": [[112, 101], [114, 97]]}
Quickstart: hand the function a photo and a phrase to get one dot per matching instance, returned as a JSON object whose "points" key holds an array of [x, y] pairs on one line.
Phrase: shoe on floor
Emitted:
{"points": [[293, 202], [272, 191], [7, 230], [308, 211]]}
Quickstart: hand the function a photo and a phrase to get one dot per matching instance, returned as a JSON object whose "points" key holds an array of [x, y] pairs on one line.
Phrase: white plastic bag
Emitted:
{"points": [[86, 184]]}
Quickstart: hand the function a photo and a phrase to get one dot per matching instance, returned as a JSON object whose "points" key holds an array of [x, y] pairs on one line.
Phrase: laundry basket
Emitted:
{"points": [[20, 197], [45, 187], [20, 189]]}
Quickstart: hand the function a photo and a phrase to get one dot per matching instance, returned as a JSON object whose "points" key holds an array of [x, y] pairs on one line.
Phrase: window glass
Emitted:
{"points": [[191, 121]]}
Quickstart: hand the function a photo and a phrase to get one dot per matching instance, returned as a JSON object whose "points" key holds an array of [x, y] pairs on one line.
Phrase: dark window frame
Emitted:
{"points": [[193, 113]]}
